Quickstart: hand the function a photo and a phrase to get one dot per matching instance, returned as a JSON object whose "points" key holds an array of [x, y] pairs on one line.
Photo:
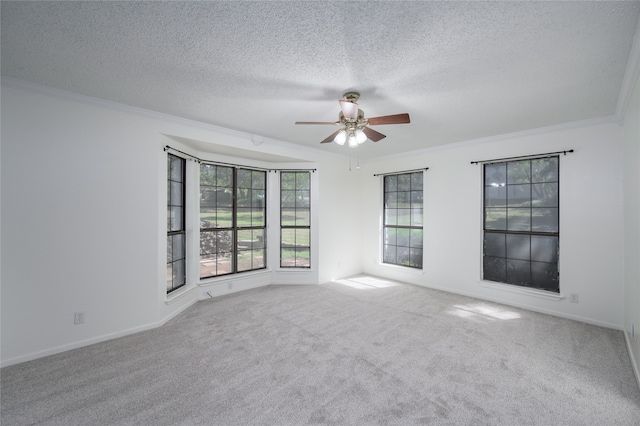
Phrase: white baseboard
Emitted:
{"points": [[232, 284], [634, 362], [93, 340], [222, 289], [524, 306], [76, 345]]}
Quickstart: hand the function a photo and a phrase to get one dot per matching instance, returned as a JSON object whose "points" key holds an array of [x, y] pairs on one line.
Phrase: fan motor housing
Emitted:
{"points": [[351, 96]]}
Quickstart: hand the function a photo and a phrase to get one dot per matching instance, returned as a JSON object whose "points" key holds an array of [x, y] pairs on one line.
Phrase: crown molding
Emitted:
{"points": [[154, 115], [627, 88], [609, 119]]}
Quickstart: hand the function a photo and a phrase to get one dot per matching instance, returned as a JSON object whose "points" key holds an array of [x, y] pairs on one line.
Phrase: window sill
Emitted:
{"points": [[232, 277], [522, 290], [178, 294], [294, 270]]}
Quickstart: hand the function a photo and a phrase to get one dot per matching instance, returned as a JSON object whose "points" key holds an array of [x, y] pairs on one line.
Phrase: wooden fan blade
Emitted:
{"points": [[373, 135], [318, 122], [331, 137], [349, 109], [389, 119]]}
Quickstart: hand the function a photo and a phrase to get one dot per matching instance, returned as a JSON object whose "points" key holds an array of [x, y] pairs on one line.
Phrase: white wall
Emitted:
{"points": [[83, 222], [341, 223], [83, 196], [79, 223], [591, 231], [632, 226]]}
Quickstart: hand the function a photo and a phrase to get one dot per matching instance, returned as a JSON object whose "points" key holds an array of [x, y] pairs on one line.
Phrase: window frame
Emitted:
{"points": [[543, 249], [386, 238], [235, 228], [305, 230], [172, 233]]}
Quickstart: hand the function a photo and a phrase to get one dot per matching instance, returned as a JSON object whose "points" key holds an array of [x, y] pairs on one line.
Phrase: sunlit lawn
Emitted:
{"points": [[293, 237]]}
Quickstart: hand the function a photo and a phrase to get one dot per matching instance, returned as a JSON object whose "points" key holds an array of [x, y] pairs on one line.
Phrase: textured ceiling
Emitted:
{"points": [[462, 70]]}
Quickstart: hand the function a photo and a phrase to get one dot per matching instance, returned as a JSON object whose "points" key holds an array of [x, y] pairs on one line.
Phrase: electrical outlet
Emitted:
{"points": [[78, 318], [573, 297], [229, 285]]}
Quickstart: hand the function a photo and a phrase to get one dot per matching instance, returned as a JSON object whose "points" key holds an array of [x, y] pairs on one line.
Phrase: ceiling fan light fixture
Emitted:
{"points": [[354, 126], [341, 137], [349, 109], [353, 141]]}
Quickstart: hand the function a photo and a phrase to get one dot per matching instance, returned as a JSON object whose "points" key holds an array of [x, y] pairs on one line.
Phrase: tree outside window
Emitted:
{"points": [[521, 223]]}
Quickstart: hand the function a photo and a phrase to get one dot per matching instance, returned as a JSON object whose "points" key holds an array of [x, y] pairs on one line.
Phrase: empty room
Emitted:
{"points": [[320, 212]]}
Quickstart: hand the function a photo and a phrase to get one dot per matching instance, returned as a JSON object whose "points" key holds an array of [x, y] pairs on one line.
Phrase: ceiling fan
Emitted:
{"points": [[354, 125]]}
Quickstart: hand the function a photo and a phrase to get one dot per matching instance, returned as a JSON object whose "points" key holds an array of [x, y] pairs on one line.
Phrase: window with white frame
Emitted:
{"points": [[232, 220], [521, 223], [176, 235], [403, 217], [295, 219]]}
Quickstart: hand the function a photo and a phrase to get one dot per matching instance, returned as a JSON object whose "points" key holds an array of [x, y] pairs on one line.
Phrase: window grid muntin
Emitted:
{"points": [[402, 213], [228, 255], [295, 238], [547, 280], [176, 232]]}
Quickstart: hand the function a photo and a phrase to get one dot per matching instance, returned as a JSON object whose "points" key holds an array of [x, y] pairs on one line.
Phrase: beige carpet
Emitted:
{"points": [[361, 352]]}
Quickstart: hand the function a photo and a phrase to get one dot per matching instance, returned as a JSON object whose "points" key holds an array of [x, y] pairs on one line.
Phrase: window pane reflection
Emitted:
{"points": [[176, 269], [518, 246], [521, 241]]}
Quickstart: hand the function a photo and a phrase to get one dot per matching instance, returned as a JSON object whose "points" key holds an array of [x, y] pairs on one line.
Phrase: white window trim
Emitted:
{"points": [[380, 262]]}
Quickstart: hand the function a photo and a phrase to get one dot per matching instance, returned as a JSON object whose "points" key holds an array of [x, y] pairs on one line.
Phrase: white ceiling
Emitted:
{"points": [[462, 70]]}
